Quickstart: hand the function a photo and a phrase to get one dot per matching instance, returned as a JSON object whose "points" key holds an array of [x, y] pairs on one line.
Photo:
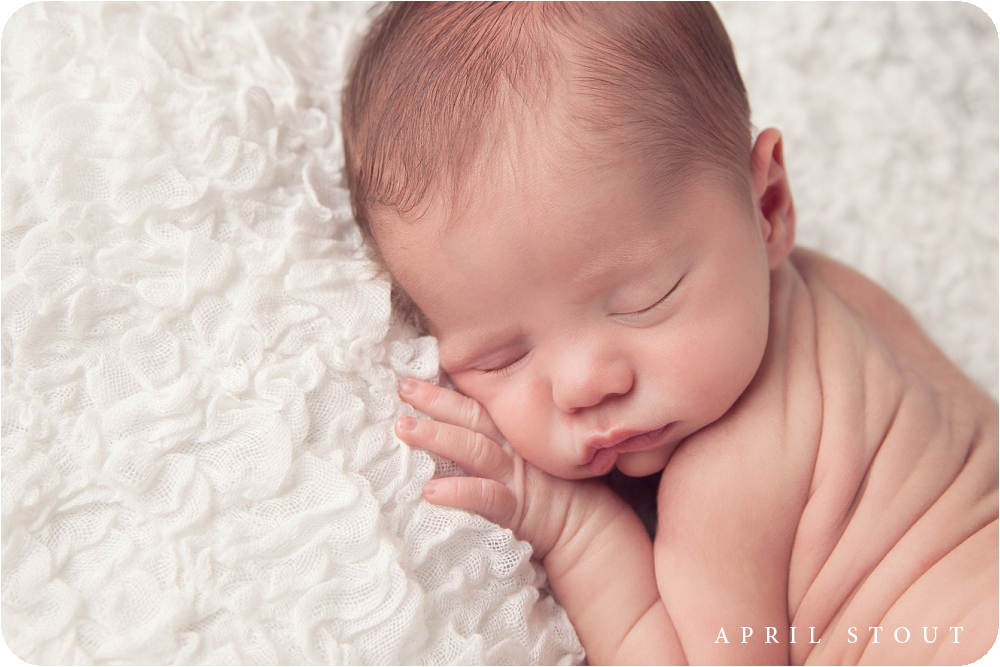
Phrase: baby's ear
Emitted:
{"points": [[773, 197]]}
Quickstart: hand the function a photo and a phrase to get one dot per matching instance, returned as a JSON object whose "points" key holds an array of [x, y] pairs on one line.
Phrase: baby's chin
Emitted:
{"points": [[640, 464]]}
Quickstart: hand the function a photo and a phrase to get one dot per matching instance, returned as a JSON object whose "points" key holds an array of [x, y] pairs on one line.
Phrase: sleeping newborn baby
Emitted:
{"points": [[571, 200]]}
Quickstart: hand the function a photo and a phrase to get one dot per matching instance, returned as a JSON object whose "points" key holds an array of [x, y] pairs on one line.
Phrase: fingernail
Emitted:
{"points": [[407, 423], [429, 488], [407, 386]]}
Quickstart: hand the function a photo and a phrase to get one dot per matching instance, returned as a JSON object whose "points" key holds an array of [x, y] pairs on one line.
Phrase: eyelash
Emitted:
{"points": [[504, 370], [660, 301]]}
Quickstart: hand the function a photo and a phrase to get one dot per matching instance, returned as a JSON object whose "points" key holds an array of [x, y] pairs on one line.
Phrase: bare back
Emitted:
{"points": [[852, 486]]}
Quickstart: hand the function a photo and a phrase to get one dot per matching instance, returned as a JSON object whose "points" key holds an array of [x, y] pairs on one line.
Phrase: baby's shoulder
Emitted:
{"points": [[851, 309], [832, 284]]}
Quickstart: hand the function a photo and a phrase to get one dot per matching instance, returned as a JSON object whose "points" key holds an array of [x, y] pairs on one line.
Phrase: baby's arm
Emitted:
{"points": [[596, 552]]}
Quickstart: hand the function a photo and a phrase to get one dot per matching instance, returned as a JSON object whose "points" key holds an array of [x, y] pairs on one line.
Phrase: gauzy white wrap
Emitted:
{"points": [[199, 375]]}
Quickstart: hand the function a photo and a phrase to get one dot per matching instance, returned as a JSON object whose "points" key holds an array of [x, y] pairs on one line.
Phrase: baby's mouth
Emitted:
{"points": [[606, 451]]}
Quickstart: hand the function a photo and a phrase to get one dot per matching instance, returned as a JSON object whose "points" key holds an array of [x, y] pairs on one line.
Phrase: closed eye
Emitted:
{"points": [[658, 302], [506, 368]]}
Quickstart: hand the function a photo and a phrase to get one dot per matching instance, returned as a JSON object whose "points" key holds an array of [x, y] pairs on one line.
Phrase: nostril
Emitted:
{"points": [[589, 392]]}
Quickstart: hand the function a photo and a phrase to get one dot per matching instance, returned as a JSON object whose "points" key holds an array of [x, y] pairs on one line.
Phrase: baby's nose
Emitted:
{"points": [[582, 381]]}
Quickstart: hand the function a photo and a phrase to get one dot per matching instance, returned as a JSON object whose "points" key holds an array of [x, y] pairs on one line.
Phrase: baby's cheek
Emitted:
{"points": [[728, 360], [530, 434], [518, 420]]}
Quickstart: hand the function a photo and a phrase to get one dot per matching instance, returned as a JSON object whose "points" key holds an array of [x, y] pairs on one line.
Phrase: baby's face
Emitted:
{"points": [[599, 318]]}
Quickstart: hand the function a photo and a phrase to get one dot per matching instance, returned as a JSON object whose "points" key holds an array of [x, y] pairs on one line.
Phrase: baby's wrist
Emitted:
{"points": [[593, 514]]}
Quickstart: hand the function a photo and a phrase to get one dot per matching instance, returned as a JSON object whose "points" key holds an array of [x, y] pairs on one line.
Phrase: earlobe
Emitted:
{"points": [[773, 197]]}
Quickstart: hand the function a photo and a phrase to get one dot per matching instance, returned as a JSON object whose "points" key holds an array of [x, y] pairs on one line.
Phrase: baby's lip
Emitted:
{"points": [[601, 451]]}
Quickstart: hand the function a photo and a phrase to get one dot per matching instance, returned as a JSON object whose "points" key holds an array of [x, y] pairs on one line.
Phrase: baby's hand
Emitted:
{"points": [[505, 489], [580, 530]]}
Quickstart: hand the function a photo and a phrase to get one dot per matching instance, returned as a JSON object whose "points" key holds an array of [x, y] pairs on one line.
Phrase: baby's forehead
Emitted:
{"points": [[587, 219], [531, 181]]}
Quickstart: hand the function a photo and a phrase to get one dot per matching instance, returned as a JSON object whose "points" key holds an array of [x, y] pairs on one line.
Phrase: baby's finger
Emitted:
{"points": [[474, 452], [448, 406], [491, 499]]}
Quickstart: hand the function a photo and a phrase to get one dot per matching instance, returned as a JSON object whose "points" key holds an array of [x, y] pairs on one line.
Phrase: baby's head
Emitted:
{"points": [[570, 198]]}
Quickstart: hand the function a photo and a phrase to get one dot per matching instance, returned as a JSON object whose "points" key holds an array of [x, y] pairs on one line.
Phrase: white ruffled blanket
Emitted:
{"points": [[199, 373]]}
